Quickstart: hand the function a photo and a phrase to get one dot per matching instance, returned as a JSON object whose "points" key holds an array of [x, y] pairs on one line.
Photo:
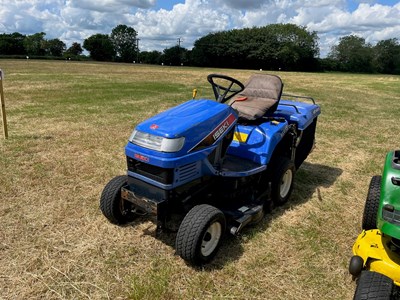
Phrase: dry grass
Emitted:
{"points": [[68, 124]]}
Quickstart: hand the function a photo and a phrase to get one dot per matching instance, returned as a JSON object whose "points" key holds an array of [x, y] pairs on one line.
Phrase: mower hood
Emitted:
{"points": [[192, 122]]}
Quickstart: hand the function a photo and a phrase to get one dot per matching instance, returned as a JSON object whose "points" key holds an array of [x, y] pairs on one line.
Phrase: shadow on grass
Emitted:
{"points": [[308, 180]]}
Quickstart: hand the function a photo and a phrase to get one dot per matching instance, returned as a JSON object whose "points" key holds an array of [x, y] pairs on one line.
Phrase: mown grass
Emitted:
{"points": [[68, 124]]}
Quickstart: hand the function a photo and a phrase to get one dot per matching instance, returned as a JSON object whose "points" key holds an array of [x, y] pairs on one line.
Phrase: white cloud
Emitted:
{"points": [[75, 20], [372, 22], [188, 21], [243, 4], [110, 5]]}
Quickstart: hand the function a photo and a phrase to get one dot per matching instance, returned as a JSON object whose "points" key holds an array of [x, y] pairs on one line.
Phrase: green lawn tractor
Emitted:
{"points": [[376, 260]]}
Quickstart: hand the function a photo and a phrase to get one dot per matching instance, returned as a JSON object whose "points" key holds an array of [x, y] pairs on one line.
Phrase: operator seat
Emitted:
{"points": [[260, 96]]}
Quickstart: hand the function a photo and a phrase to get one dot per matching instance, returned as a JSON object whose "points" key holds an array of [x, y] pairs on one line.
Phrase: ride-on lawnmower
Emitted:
{"points": [[218, 165], [376, 260]]}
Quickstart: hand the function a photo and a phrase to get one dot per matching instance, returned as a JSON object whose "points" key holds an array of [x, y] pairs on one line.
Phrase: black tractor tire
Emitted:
{"points": [[200, 233], [374, 286], [114, 208], [372, 204], [282, 180]]}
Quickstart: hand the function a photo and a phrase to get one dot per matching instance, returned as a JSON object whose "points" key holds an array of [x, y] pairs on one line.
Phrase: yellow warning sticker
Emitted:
{"points": [[240, 137]]}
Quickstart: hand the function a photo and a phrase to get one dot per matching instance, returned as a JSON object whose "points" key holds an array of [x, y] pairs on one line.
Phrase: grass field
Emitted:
{"points": [[68, 124]]}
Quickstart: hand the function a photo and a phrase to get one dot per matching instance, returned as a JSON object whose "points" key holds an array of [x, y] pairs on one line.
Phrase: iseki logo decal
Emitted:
{"points": [[219, 131], [141, 157]]}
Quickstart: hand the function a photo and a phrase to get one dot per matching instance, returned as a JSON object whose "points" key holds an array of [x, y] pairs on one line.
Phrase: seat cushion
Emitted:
{"points": [[253, 107], [261, 95]]}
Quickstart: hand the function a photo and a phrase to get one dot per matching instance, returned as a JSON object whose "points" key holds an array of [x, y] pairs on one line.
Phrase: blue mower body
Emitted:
{"points": [[202, 159], [203, 123]]}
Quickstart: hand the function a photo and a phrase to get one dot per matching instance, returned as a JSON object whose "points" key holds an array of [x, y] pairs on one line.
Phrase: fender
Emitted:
{"points": [[258, 142], [374, 248]]}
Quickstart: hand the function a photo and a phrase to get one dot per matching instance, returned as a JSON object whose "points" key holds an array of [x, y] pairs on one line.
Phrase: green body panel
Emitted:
{"points": [[389, 221]]}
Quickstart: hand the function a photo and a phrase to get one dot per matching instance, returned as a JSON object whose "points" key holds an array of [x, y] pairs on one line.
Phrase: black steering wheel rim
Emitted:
{"points": [[217, 88]]}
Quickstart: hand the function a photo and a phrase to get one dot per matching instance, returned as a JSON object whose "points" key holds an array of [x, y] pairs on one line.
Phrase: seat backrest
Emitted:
{"points": [[264, 86], [261, 95]]}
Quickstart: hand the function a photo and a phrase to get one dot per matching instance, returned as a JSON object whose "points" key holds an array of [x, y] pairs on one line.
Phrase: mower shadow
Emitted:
{"points": [[309, 179]]}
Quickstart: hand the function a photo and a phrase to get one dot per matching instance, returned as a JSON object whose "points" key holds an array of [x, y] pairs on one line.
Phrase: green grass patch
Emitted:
{"points": [[68, 125]]}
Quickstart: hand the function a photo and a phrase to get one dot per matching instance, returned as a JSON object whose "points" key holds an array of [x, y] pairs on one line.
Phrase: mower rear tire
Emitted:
{"points": [[282, 180], [200, 233], [372, 203], [373, 286], [114, 208]]}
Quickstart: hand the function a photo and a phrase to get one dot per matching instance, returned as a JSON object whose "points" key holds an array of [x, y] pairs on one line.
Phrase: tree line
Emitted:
{"points": [[286, 47]]}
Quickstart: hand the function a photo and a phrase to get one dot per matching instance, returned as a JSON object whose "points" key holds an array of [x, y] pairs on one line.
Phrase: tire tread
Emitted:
{"points": [[190, 230], [373, 286], [280, 166], [372, 203], [108, 203]]}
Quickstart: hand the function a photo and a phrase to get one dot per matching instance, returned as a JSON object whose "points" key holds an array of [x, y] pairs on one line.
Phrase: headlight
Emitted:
{"points": [[155, 142]]}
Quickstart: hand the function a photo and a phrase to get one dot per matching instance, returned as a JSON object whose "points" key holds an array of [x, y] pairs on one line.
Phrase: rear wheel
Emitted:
{"points": [[114, 208], [200, 233], [372, 204], [373, 286], [282, 180]]}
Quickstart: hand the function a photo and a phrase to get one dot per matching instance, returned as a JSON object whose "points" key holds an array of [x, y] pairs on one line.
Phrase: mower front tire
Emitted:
{"points": [[114, 208], [200, 233], [372, 203], [373, 286], [282, 180]]}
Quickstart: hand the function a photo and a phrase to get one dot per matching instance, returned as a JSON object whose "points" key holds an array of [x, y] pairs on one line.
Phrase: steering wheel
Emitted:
{"points": [[221, 90]]}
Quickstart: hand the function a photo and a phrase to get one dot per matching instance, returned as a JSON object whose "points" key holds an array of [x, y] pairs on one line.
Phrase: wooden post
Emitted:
{"points": [[3, 106]]}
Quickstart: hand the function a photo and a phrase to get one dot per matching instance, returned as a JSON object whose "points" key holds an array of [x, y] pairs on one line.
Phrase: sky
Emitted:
{"points": [[160, 23]]}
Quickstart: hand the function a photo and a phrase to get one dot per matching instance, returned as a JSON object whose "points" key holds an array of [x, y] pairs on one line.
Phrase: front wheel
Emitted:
{"points": [[282, 180], [372, 203], [114, 208], [200, 233]]}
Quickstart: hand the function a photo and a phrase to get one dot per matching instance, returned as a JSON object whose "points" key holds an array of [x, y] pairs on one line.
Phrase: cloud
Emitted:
{"points": [[188, 21], [243, 4], [111, 6]]}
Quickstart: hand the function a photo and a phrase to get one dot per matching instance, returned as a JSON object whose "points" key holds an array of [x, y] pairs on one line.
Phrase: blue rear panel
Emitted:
{"points": [[300, 113], [257, 142]]}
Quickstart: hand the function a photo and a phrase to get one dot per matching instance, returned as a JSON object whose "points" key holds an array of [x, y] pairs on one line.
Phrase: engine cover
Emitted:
{"points": [[201, 122]]}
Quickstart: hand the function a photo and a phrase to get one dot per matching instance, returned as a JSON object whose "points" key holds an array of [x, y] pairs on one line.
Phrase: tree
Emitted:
{"points": [[74, 50], [275, 46], [352, 54], [100, 47], [55, 47], [35, 44], [174, 56], [152, 57], [387, 56], [12, 44], [124, 39]]}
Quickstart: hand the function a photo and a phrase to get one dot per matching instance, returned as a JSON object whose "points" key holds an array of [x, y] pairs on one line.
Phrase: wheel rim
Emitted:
{"points": [[286, 183], [211, 238]]}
